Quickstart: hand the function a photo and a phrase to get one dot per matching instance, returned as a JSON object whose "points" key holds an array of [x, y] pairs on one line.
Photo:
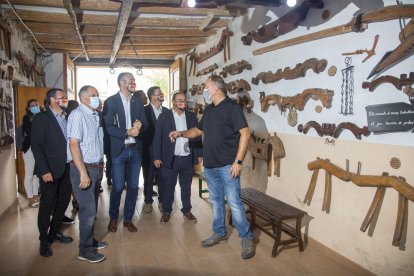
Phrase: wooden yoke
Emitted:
{"points": [[383, 181]]}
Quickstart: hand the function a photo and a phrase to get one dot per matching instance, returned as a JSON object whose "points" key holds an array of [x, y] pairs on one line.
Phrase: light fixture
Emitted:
{"points": [[191, 3], [291, 3]]}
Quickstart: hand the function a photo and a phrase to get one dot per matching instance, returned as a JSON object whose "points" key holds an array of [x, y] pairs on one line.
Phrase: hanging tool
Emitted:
{"points": [[369, 53]]}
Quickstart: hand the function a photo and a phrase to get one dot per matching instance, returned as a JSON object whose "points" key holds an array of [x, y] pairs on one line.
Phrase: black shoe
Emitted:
{"points": [[67, 220], [62, 238], [109, 182], [154, 193], [45, 250], [100, 190]]}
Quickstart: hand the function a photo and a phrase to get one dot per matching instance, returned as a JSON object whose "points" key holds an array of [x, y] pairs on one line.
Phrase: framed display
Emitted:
{"points": [[176, 76]]}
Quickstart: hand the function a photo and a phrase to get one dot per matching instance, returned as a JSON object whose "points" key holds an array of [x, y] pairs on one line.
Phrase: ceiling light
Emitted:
{"points": [[191, 3], [290, 3]]}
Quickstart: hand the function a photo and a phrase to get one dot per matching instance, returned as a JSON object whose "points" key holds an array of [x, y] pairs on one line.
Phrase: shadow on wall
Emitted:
{"points": [[314, 18], [256, 178]]}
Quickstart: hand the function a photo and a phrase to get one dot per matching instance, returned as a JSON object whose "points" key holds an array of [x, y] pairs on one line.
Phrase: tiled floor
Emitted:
{"points": [[156, 249]]}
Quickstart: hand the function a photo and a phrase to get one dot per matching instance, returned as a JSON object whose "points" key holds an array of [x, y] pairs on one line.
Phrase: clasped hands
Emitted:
{"points": [[134, 131]]}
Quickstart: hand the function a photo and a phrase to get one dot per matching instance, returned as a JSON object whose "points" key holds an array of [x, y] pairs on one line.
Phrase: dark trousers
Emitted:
{"points": [[149, 171], [182, 168], [108, 165], [53, 202], [88, 205]]}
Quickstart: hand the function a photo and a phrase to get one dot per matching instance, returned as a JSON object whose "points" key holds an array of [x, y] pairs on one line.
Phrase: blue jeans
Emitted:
{"points": [[126, 166], [220, 183], [88, 204]]}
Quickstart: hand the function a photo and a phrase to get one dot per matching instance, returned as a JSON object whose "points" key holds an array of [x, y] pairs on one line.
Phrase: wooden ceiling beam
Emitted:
{"points": [[72, 14], [121, 26], [145, 48]]}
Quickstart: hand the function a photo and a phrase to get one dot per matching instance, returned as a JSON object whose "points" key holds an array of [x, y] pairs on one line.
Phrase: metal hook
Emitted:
{"points": [[111, 71]]}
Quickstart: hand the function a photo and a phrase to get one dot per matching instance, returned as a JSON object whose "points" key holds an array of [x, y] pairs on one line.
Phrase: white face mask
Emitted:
{"points": [[206, 96], [94, 102]]}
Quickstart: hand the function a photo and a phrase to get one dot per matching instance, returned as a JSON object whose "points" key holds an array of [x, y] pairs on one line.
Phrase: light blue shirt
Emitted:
{"points": [[83, 125]]}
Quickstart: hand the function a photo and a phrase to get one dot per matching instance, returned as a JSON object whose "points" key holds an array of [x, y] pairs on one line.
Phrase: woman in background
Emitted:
{"points": [[31, 181]]}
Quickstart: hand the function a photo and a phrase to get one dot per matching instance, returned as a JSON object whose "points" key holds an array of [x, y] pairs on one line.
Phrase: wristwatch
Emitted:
{"points": [[238, 161]]}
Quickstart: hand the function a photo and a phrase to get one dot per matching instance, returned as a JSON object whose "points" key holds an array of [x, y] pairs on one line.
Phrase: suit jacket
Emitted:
{"points": [[115, 122], [148, 136], [48, 144], [163, 148]]}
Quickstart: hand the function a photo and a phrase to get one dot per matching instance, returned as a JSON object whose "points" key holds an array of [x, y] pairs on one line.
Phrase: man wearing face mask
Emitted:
{"points": [[124, 120], [85, 151], [176, 158], [48, 143], [152, 111], [226, 136]]}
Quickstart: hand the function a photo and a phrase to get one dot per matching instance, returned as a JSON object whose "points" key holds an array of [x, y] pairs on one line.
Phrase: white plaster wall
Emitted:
{"points": [[54, 71], [339, 229]]}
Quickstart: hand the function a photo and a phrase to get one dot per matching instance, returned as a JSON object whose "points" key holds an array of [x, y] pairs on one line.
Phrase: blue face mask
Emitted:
{"points": [[206, 96], [94, 102], [35, 109]]}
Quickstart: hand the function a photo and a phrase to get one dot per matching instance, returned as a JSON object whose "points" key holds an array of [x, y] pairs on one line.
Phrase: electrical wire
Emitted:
{"points": [[30, 31]]}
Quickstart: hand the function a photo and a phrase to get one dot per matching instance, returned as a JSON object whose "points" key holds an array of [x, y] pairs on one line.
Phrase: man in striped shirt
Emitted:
{"points": [[85, 152]]}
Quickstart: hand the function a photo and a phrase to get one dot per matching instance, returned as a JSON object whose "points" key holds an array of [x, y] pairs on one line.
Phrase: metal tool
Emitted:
{"points": [[369, 53]]}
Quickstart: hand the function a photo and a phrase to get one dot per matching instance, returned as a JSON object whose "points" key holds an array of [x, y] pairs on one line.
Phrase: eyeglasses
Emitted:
{"points": [[61, 98], [161, 94], [180, 101], [209, 87]]}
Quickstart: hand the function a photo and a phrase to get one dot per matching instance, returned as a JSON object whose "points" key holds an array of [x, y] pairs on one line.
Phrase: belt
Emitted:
{"points": [[181, 156], [130, 145], [92, 165]]}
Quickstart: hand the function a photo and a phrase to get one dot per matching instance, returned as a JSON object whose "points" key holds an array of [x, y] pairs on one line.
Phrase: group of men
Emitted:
{"points": [[69, 155]]}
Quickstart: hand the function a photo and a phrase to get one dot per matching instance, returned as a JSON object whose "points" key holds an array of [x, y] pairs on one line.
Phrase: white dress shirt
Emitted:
{"points": [[182, 147]]}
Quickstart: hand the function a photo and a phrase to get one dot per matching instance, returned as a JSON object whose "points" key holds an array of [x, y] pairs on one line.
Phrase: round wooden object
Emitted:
{"points": [[332, 71], [395, 163], [318, 109], [292, 118], [326, 14]]}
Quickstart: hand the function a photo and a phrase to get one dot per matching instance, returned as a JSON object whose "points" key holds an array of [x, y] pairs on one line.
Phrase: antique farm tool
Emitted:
{"points": [[235, 68], [237, 86], [207, 70], [282, 25], [332, 130], [332, 71], [245, 101], [264, 148], [347, 88], [317, 65], [223, 44], [298, 101], [357, 24], [405, 191], [369, 53], [401, 52], [399, 83]]}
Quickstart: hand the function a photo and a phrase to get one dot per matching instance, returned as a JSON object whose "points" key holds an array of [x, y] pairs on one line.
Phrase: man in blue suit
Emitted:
{"points": [[125, 120], [152, 111], [176, 158]]}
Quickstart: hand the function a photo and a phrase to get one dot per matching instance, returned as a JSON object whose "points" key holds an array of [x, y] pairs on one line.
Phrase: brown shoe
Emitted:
{"points": [[130, 226], [113, 225], [165, 217], [190, 216]]}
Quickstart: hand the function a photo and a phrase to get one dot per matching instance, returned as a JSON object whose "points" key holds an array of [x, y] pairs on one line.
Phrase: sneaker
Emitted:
{"points": [[213, 240], [147, 207], [99, 244], [67, 220], [247, 247], [92, 257], [160, 207]]}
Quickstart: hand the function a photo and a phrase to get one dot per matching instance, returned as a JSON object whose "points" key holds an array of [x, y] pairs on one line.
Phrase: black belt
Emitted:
{"points": [[181, 156], [92, 165], [130, 145]]}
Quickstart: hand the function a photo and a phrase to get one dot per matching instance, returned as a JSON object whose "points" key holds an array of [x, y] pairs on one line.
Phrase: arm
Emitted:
{"points": [[241, 151], [190, 133], [78, 160], [38, 139]]}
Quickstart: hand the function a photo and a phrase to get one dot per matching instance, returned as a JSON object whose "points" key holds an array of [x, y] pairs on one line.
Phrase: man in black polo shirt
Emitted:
{"points": [[226, 137]]}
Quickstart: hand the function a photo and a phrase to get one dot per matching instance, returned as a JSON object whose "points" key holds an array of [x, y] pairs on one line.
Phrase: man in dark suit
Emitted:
{"points": [[124, 120], [152, 112], [49, 146], [176, 158]]}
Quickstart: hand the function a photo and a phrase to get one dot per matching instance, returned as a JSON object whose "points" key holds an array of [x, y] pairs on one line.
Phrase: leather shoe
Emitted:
{"points": [[165, 217], [45, 250], [113, 225], [190, 216], [130, 226], [62, 238]]}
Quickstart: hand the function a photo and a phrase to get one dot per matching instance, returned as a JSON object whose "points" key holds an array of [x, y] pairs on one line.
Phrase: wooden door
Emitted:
{"points": [[22, 94]]}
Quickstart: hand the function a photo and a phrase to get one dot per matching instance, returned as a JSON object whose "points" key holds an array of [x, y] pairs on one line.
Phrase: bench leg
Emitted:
{"points": [[200, 187], [253, 219], [277, 231], [298, 233]]}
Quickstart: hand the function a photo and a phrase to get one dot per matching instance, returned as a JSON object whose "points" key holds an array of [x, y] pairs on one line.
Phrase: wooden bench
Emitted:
{"points": [[201, 177], [275, 215]]}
